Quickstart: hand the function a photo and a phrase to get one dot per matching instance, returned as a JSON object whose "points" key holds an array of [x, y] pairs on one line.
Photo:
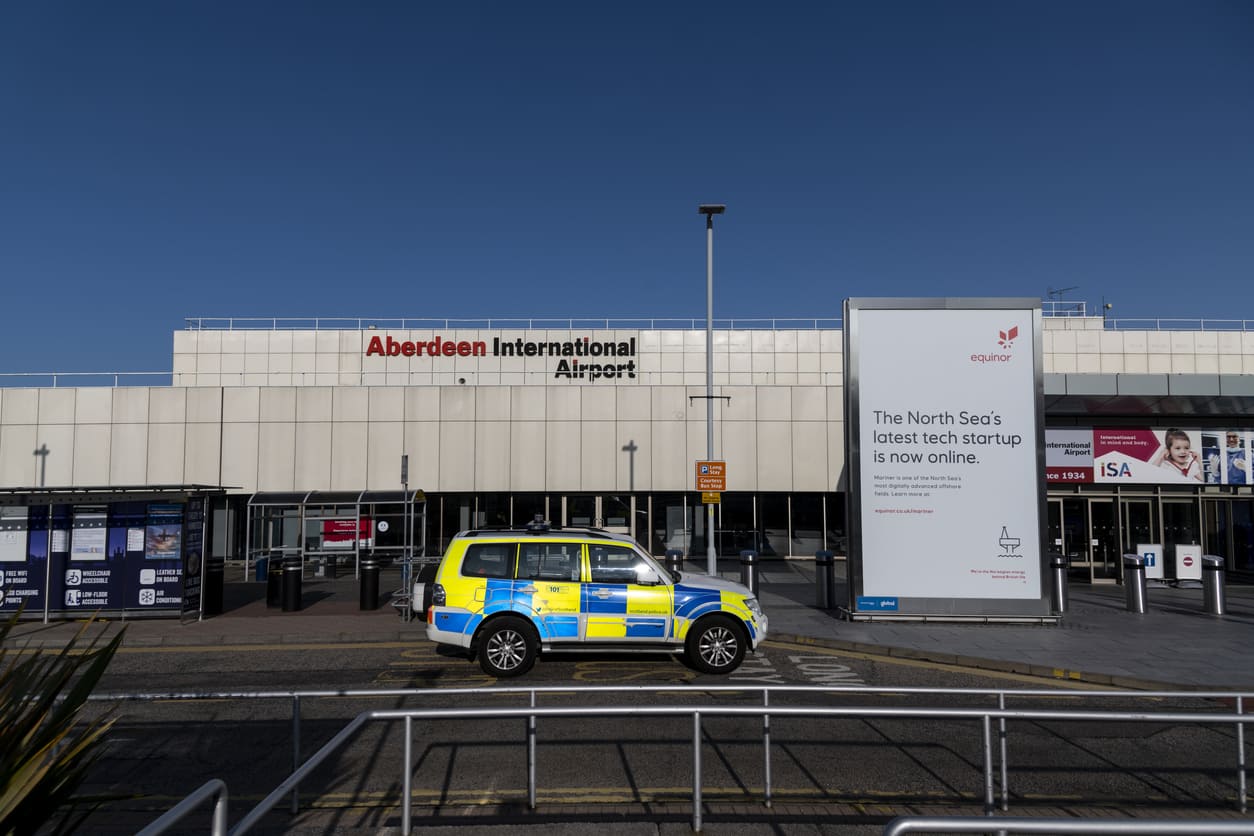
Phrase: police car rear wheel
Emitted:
{"points": [[716, 645], [507, 648]]}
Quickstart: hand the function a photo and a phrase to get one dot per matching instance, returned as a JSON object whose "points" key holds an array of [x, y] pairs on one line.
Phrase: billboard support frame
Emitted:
{"points": [[860, 606]]}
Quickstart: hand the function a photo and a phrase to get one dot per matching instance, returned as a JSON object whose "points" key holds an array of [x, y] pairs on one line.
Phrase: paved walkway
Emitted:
{"points": [[1173, 645]]}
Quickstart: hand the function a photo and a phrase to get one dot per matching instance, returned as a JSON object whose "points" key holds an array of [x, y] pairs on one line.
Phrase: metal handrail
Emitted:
{"points": [[1069, 310], [214, 788], [57, 379], [365, 323], [766, 710], [984, 715], [1149, 827]]}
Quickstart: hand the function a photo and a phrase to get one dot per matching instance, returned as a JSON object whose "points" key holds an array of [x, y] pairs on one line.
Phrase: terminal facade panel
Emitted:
{"points": [[603, 426]]}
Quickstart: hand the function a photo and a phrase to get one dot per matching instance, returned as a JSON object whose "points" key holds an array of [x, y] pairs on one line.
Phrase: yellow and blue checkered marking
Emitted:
{"points": [[604, 610]]}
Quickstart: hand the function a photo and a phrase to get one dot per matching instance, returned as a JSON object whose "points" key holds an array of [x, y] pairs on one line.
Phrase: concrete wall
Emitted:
{"points": [[307, 410], [458, 438]]}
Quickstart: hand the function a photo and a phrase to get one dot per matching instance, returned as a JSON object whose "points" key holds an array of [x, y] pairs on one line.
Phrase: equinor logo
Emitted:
{"points": [[1006, 340]]}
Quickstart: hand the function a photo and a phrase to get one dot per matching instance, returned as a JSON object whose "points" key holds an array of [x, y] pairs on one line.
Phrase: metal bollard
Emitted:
{"points": [[749, 570], [675, 559], [824, 580], [1134, 582], [369, 594], [1213, 598], [1058, 590], [292, 579]]}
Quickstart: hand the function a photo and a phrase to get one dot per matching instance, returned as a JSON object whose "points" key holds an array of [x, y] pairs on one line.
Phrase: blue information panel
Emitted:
{"points": [[116, 556]]}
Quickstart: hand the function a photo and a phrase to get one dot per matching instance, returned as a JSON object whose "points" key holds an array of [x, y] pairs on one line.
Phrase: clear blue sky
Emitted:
{"points": [[162, 160]]}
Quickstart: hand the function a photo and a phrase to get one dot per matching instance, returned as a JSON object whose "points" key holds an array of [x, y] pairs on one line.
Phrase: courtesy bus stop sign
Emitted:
{"points": [[712, 476]]}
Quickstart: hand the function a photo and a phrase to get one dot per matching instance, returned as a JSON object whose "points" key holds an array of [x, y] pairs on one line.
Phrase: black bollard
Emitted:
{"points": [[824, 579], [274, 579], [291, 584], [369, 599]]}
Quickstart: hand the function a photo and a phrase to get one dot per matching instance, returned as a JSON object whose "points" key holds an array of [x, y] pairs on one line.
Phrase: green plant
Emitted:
{"points": [[45, 751]]}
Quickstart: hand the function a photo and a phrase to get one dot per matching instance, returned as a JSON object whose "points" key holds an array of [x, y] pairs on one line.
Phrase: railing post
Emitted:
{"points": [[295, 751], [1005, 771], [218, 824], [531, 756], [407, 780], [766, 749], [988, 765], [696, 771], [1241, 788]]}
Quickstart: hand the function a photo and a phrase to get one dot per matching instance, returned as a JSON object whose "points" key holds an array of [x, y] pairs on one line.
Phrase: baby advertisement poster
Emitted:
{"points": [[1135, 455]]}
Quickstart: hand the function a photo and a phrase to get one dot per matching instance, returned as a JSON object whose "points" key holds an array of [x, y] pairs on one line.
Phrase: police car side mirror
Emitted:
{"points": [[647, 577]]}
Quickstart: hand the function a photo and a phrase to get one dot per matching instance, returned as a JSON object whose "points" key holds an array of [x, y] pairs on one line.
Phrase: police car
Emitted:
{"points": [[509, 595]]}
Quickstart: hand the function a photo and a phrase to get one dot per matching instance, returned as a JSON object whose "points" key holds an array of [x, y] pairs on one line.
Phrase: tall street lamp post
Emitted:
{"points": [[709, 210]]}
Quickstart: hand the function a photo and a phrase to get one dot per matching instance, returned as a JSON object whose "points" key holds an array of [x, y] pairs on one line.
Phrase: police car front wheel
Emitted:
{"points": [[507, 648], [716, 645]]}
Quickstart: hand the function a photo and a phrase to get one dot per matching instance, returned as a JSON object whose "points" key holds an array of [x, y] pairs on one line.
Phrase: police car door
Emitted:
{"points": [[617, 607], [548, 583]]}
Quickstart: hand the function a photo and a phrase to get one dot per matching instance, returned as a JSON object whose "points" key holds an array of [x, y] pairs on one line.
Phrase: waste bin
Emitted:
{"points": [[1134, 582], [262, 567], [291, 584], [213, 583], [675, 559], [824, 580], [749, 570], [369, 597], [1058, 585], [1213, 597]]}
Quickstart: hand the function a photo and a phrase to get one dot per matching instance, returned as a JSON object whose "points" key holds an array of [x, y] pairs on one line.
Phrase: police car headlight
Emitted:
{"points": [[754, 607]]}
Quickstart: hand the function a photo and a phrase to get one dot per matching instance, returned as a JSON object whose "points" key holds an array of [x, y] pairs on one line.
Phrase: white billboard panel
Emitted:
{"points": [[948, 456]]}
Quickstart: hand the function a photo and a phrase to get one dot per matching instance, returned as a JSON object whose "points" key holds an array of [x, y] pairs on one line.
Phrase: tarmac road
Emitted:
{"points": [[831, 776]]}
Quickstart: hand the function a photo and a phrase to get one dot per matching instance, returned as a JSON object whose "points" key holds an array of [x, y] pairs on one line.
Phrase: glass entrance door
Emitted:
{"points": [[1181, 526], [1086, 531], [1106, 556], [1229, 531], [1072, 533], [1139, 524]]}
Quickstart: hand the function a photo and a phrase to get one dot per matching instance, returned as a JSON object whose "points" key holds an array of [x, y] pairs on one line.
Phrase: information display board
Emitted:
{"points": [[944, 416], [137, 556]]}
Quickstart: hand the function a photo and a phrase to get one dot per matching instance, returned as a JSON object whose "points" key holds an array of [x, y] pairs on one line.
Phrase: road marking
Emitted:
{"points": [[609, 671], [1072, 682], [1062, 677]]}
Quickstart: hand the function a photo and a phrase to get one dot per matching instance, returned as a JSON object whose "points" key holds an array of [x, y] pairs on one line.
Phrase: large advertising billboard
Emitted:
{"points": [[1148, 456], [944, 406]]}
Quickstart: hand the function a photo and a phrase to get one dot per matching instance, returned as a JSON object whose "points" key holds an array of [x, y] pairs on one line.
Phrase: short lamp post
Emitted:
{"points": [[709, 210]]}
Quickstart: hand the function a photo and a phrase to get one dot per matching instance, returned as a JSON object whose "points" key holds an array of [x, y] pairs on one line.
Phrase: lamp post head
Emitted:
{"points": [[711, 209]]}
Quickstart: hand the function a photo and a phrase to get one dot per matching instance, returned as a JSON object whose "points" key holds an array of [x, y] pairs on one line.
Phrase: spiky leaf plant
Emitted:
{"points": [[45, 751]]}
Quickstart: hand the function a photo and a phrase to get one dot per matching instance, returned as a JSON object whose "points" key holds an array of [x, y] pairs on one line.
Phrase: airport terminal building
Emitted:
{"points": [[292, 433]]}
